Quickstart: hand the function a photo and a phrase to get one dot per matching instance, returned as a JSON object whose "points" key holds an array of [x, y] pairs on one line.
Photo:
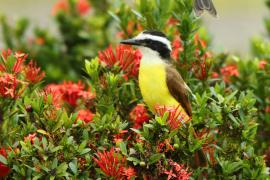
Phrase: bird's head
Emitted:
{"points": [[154, 40]]}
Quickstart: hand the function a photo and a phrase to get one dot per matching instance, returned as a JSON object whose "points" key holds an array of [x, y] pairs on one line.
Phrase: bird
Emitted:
{"points": [[159, 82], [201, 5]]}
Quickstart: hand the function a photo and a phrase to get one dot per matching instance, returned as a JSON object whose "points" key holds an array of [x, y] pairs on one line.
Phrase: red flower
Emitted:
{"points": [[176, 48], [165, 146], [83, 6], [33, 73], [71, 92], [215, 75], [124, 57], [31, 138], [111, 163], [262, 64], [139, 115], [119, 137], [129, 173], [85, 115], [12, 64], [60, 6], [177, 172], [229, 71], [54, 91], [176, 117], [9, 86], [4, 169], [267, 109]]}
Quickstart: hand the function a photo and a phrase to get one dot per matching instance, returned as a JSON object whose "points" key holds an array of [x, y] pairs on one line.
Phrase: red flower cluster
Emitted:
{"points": [[139, 115], [125, 57], [176, 118], [85, 115], [82, 7], [9, 86], [113, 165], [4, 169], [31, 138], [33, 73], [262, 64], [267, 109], [228, 72], [177, 48], [177, 172], [12, 64], [70, 92]]}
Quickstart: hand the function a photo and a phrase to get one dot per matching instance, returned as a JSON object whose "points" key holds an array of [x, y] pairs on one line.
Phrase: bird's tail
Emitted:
{"points": [[201, 5]]}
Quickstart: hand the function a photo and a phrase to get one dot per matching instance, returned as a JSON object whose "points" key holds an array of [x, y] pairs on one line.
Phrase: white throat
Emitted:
{"points": [[149, 56]]}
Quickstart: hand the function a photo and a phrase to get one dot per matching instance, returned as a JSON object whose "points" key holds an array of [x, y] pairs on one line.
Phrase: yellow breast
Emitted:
{"points": [[153, 86]]}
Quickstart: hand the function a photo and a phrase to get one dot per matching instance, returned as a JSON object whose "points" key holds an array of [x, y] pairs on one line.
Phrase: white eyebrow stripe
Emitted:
{"points": [[155, 38]]}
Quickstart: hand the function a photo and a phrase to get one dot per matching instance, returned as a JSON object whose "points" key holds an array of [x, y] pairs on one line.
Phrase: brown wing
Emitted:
{"points": [[177, 88]]}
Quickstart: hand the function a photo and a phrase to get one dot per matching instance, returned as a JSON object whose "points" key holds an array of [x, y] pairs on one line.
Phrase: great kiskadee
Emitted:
{"points": [[159, 82], [201, 5]]}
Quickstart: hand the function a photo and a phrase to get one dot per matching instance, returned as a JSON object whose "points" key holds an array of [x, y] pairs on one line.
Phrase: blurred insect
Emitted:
{"points": [[201, 5]]}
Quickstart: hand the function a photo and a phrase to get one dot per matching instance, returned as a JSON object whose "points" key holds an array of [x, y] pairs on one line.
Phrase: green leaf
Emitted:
{"points": [[73, 166], [154, 158], [84, 151], [3, 160], [123, 148]]}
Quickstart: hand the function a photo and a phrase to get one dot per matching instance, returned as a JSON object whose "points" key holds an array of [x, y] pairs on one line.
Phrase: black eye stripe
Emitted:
{"points": [[158, 46]]}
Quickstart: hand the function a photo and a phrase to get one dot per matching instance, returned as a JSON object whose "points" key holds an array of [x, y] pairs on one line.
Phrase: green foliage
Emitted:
{"points": [[66, 132]]}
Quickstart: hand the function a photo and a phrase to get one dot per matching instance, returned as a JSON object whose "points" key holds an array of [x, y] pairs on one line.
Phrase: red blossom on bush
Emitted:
{"points": [[85, 115], [12, 64], [176, 117], [4, 169], [176, 48], [124, 56], [228, 72], [9, 86], [207, 147], [83, 6], [113, 165], [60, 6], [262, 64], [71, 92], [267, 109], [215, 75], [33, 73], [139, 115], [165, 146], [177, 171], [119, 137], [30, 137]]}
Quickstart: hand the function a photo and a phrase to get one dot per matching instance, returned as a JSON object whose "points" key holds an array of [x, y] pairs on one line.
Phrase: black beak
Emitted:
{"points": [[130, 42]]}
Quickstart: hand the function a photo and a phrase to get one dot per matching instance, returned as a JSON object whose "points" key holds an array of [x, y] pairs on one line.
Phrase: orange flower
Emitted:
{"points": [[33, 73], [124, 57], [85, 115], [139, 115]]}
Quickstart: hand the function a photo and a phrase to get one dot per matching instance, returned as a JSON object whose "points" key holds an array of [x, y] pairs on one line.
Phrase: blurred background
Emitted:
{"points": [[238, 21]]}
